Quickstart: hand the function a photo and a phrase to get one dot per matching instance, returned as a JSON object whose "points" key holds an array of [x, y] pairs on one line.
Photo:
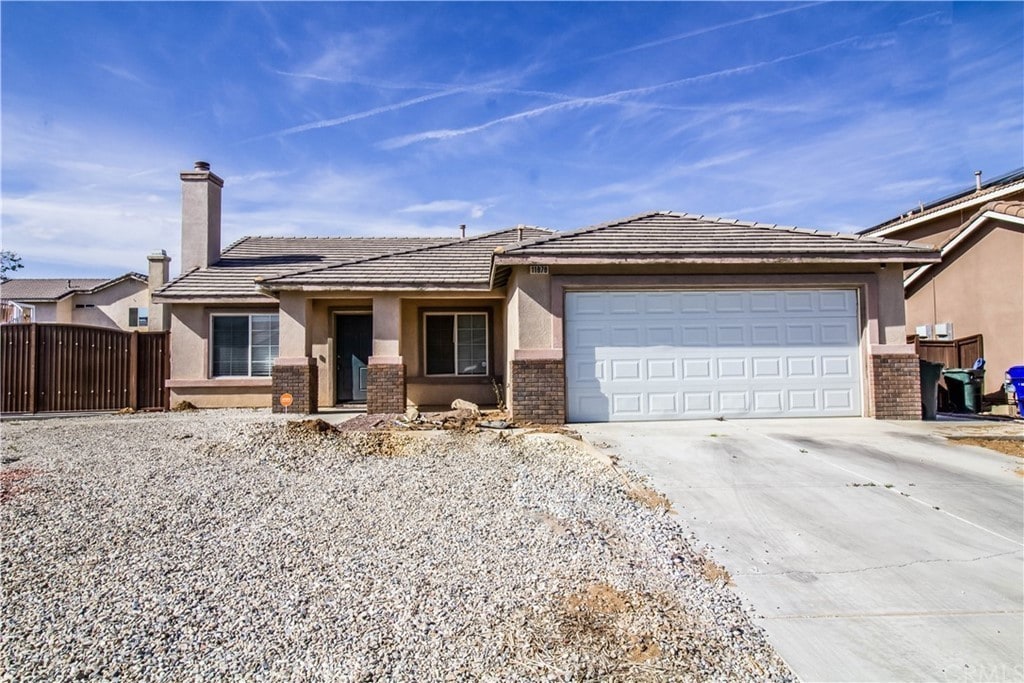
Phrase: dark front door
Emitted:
{"points": [[354, 340]]}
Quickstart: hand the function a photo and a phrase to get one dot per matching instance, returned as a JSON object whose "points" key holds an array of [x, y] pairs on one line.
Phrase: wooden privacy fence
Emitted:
{"points": [[954, 353], [67, 368]]}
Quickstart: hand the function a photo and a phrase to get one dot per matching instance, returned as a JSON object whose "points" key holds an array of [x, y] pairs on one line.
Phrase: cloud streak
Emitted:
{"points": [[606, 99]]}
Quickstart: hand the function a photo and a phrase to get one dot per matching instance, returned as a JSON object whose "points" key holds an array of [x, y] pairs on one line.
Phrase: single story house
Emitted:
{"points": [[662, 315], [121, 303], [978, 287]]}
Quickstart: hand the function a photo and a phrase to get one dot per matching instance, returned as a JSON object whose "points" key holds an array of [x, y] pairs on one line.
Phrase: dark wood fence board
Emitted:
{"points": [[69, 368]]}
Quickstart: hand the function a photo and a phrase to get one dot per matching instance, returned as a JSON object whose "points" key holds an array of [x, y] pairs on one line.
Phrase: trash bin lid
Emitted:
{"points": [[1016, 372]]}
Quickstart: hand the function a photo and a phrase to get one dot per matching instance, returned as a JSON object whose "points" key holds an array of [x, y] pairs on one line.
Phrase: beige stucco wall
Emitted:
{"points": [[190, 362], [980, 289], [111, 305], [49, 312]]}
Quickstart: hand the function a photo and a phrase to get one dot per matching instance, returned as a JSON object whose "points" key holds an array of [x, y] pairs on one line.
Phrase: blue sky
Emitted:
{"points": [[405, 119]]}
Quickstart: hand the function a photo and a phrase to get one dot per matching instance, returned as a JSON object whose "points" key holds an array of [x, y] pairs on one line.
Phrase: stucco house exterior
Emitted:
{"points": [[978, 287], [121, 302], [661, 315]]}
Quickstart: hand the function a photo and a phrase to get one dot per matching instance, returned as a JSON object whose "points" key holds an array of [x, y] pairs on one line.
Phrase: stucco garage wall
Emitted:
{"points": [[883, 329]]}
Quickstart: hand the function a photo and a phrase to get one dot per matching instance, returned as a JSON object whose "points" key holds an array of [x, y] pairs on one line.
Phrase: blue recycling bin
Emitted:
{"points": [[1015, 379]]}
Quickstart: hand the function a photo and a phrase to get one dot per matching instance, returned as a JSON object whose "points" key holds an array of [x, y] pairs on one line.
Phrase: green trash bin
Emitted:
{"points": [[930, 374], [964, 386]]}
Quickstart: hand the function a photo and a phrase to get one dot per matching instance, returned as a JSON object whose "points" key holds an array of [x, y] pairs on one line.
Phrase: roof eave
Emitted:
{"points": [[738, 258], [377, 287]]}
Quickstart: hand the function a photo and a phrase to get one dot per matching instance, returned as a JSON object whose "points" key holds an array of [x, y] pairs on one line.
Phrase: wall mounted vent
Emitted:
{"points": [[924, 331], [944, 330]]}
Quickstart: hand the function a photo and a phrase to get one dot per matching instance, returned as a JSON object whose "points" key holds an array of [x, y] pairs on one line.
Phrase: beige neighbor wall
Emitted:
{"points": [[111, 305], [50, 312], [536, 305], [980, 289], [190, 362]]}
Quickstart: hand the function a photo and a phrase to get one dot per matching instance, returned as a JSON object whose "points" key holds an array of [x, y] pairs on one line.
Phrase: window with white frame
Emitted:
{"points": [[455, 343], [138, 316], [243, 345]]}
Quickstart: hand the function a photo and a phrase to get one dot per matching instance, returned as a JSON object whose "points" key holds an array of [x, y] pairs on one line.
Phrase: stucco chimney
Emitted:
{"points": [[159, 273], [977, 181], [200, 217]]}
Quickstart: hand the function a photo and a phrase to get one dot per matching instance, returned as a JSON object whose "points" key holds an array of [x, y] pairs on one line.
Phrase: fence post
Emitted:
{"points": [[165, 391], [33, 368], [133, 371]]}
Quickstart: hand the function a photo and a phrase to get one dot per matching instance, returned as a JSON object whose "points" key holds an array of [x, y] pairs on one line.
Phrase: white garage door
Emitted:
{"points": [[667, 355]]}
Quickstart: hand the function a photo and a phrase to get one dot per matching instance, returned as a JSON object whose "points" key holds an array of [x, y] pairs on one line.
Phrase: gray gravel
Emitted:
{"points": [[224, 544]]}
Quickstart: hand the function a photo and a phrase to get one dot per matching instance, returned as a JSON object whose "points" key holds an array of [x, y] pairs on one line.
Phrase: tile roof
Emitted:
{"points": [[1007, 211], [673, 236], [1015, 209], [1008, 183], [56, 288], [241, 263], [460, 264]]}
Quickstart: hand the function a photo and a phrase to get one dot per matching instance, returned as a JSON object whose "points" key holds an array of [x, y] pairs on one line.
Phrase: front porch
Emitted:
{"points": [[389, 351]]}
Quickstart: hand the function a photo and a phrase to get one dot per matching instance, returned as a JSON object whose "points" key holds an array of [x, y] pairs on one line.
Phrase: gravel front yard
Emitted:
{"points": [[228, 544]]}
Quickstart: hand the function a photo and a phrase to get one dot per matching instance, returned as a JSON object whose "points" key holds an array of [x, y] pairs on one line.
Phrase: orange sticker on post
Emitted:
{"points": [[286, 400]]}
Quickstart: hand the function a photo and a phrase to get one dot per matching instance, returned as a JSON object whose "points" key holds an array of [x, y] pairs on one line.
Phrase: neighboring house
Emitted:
{"points": [[978, 288], [659, 316], [122, 302]]}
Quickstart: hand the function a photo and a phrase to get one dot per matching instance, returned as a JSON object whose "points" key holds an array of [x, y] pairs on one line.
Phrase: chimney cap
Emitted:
{"points": [[202, 165], [158, 255]]}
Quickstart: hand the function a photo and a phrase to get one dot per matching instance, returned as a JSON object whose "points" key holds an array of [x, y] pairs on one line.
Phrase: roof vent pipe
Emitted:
{"points": [[977, 180], [520, 228], [462, 230]]}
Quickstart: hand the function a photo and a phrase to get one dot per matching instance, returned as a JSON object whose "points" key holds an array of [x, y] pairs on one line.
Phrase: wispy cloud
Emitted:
{"points": [[704, 31], [348, 118], [450, 206], [124, 74], [605, 99]]}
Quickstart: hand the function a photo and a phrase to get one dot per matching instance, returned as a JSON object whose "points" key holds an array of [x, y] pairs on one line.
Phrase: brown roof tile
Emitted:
{"points": [[241, 263], [459, 264], [671, 235], [54, 289]]}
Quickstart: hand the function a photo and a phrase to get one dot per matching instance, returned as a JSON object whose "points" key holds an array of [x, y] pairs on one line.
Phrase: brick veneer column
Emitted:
{"points": [[298, 377], [538, 391], [895, 386], [385, 388]]}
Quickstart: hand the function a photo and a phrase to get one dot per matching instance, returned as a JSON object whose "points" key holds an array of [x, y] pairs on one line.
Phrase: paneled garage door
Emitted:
{"points": [[668, 355]]}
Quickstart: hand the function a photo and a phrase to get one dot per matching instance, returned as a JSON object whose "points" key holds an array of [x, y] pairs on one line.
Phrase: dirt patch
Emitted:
{"points": [[1007, 445], [12, 482], [714, 572], [182, 406], [649, 497], [316, 426]]}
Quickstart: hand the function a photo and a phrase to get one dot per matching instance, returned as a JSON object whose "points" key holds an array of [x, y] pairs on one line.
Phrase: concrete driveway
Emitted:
{"points": [[871, 550]]}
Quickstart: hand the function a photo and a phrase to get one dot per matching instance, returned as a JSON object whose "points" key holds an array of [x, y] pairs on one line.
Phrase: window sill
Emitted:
{"points": [[452, 379], [227, 382]]}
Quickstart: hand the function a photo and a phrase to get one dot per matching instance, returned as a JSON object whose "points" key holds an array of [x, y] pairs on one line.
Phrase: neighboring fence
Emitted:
{"points": [[955, 353], [67, 368]]}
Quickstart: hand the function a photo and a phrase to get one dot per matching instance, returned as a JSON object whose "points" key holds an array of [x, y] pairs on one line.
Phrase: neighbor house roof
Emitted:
{"points": [[43, 290], [461, 264], [665, 236], [1011, 212], [234, 275], [993, 190]]}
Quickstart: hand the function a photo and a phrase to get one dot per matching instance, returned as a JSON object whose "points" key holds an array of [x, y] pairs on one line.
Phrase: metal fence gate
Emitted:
{"points": [[66, 368]]}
